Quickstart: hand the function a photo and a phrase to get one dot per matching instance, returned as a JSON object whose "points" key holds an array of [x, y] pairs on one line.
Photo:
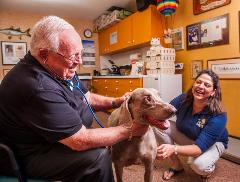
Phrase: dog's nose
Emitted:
{"points": [[171, 109]]}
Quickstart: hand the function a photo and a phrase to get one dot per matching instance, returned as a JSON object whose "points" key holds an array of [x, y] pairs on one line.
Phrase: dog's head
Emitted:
{"points": [[146, 106]]}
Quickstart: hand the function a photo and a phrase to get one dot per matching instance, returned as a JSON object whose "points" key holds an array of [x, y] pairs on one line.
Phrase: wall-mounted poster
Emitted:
{"points": [[12, 52], [177, 38], [226, 68], [201, 6], [197, 66], [88, 53], [208, 33]]}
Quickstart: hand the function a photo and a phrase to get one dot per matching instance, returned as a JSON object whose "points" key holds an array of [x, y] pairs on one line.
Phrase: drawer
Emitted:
{"points": [[103, 81], [119, 91], [127, 82], [115, 87], [132, 82]]}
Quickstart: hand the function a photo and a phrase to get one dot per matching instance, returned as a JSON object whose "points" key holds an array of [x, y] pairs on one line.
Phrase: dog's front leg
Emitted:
{"points": [[148, 163], [118, 171]]}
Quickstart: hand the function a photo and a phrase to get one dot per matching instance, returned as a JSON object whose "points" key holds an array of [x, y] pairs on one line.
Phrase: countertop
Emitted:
{"points": [[109, 76], [118, 76]]}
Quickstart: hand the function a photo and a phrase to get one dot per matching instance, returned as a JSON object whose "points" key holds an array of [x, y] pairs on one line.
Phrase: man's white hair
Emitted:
{"points": [[45, 34]]}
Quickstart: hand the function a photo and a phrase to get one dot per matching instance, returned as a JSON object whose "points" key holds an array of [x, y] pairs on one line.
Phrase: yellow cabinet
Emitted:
{"points": [[108, 40], [135, 30], [115, 87]]}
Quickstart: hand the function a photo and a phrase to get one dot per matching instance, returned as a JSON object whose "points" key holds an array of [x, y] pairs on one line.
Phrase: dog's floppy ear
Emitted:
{"points": [[125, 115]]}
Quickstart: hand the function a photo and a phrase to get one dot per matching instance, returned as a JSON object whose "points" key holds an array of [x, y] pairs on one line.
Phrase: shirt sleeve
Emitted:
{"points": [[51, 116], [212, 131], [176, 102]]}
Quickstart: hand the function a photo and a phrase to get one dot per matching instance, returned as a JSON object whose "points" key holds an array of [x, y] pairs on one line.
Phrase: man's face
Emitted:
{"points": [[65, 61]]}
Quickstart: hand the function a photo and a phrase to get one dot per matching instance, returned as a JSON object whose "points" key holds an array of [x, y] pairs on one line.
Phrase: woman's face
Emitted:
{"points": [[203, 88]]}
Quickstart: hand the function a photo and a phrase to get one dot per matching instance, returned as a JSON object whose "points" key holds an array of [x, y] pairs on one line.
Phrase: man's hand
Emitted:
{"points": [[119, 100], [139, 129]]}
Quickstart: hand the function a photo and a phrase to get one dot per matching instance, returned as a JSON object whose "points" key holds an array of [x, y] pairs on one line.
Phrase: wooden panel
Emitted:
{"points": [[111, 30], [125, 33], [141, 28]]}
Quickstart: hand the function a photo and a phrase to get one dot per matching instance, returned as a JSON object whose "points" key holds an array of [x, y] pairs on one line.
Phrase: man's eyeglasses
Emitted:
{"points": [[73, 58]]}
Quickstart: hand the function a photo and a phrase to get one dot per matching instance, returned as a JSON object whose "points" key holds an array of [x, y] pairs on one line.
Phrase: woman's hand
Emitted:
{"points": [[164, 151]]}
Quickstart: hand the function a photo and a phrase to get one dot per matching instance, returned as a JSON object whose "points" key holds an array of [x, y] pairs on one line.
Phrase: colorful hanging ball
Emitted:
{"points": [[167, 7]]}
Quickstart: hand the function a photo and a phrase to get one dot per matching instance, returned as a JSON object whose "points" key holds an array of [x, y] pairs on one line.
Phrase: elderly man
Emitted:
{"points": [[45, 118]]}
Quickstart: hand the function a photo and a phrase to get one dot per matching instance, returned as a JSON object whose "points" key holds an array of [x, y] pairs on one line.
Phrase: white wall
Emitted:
{"points": [[122, 58]]}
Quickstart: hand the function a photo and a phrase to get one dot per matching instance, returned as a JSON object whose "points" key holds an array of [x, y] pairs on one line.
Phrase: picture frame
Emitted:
{"points": [[201, 6], [177, 38], [226, 68], [197, 66], [5, 71], [212, 32], [12, 52]]}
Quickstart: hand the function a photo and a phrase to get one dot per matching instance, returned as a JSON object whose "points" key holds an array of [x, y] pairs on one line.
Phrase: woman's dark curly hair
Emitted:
{"points": [[214, 102]]}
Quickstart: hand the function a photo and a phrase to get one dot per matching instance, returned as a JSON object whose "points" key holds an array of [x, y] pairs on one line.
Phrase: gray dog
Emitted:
{"points": [[144, 106]]}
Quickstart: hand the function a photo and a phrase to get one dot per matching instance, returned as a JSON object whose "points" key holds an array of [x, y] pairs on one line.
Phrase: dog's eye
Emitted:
{"points": [[148, 98]]}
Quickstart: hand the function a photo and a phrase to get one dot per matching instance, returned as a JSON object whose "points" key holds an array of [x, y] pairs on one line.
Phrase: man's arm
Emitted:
{"points": [[86, 139], [99, 102]]}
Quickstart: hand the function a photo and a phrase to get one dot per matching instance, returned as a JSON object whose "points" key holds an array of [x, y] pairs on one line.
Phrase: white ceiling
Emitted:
{"points": [[84, 9]]}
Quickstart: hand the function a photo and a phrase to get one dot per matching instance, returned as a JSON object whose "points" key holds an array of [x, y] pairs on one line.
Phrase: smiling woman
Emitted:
{"points": [[199, 131]]}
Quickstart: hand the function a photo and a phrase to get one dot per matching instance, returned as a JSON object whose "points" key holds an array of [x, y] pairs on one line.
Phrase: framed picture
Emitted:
{"points": [[177, 38], [12, 52], [201, 6], [89, 53], [208, 33], [227, 68], [197, 66], [5, 71]]}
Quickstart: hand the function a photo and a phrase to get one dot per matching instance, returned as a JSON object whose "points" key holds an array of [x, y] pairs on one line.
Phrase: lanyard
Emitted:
{"points": [[76, 85]]}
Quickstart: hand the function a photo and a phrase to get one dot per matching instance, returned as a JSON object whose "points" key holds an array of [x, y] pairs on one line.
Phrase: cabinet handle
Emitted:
{"points": [[116, 81], [106, 87], [116, 89], [130, 90], [133, 41], [105, 81], [129, 42], [95, 80], [130, 81]]}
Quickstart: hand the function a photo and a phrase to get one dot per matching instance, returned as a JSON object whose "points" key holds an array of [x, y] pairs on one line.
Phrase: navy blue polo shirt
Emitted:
{"points": [[37, 109], [203, 128]]}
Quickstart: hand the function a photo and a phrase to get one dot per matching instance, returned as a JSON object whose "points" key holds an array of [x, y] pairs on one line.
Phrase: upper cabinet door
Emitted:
{"points": [[125, 33], [141, 27], [103, 41], [134, 31], [113, 37]]}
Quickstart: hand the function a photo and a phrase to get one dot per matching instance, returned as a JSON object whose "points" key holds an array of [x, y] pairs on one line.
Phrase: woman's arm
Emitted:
{"points": [[166, 150]]}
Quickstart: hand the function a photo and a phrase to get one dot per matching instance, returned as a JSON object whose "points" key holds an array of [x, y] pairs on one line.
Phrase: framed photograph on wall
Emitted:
{"points": [[226, 68], [12, 52], [201, 6], [177, 38], [212, 32], [197, 66]]}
